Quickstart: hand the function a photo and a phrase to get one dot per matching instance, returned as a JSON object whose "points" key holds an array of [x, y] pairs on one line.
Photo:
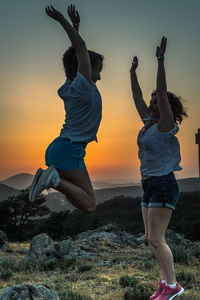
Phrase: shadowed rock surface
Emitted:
{"points": [[42, 247], [28, 292]]}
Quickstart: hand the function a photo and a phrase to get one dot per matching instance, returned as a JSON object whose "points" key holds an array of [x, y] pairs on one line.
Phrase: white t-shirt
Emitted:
{"points": [[83, 107], [159, 152]]}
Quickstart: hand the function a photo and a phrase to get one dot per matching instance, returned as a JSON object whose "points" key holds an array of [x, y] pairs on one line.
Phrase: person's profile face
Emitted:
{"points": [[96, 71]]}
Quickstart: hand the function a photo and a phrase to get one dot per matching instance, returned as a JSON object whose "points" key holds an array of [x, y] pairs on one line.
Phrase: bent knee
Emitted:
{"points": [[155, 242]]}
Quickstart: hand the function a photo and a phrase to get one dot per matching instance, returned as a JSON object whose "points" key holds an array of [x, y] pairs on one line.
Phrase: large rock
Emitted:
{"points": [[177, 239], [28, 292], [6, 248], [4, 242], [103, 238], [42, 247], [68, 249], [3, 238]]}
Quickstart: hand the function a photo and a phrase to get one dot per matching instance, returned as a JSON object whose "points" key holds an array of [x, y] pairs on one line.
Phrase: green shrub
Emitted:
{"points": [[192, 295], [69, 263], [195, 252], [66, 293], [180, 255], [146, 265], [30, 264], [140, 292], [5, 275], [186, 278], [90, 277], [7, 263], [49, 266], [84, 267], [128, 281], [70, 295]]}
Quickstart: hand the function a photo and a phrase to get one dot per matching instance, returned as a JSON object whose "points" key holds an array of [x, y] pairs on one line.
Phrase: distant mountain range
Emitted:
{"points": [[19, 181], [57, 201], [23, 180]]}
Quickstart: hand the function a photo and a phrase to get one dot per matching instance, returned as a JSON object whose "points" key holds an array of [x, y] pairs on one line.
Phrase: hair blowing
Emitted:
{"points": [[70, 62], [177, 107]]}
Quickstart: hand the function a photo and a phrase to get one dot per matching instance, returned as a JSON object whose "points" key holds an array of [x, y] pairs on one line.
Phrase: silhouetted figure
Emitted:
{"points": [[159, 154], [67, 172]]}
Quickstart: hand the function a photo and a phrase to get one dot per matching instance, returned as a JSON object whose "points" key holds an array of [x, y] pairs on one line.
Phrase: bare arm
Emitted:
{"points": [[136, 90], [84, 66], [166, 122]]}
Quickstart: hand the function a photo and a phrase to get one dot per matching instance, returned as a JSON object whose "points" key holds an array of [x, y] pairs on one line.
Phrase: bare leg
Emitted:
{"points": [[145, 219], [77, 187], [158, 220]]}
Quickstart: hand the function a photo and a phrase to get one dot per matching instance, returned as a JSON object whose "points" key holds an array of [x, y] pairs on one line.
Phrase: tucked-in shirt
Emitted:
{"points": [[83, 107], [159, 152]]}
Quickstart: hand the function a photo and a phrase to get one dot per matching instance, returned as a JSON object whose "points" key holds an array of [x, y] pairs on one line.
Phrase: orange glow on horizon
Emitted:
{"points": [[34, 123]]}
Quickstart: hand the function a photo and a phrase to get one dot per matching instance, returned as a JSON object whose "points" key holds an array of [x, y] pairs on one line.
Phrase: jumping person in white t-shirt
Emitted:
{"points": [[159, 154], [67, 172]]}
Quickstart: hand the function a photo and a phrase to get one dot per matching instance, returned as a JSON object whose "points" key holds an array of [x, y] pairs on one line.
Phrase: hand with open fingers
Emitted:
{"points": [[73, 14], [160, 51], [54, 14], [134, 64]]}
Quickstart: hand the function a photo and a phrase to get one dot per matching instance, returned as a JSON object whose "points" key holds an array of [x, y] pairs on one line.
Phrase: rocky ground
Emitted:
{"points": [[102, 264]]}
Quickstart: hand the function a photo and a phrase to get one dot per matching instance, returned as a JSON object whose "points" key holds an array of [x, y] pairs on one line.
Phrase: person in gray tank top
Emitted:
{"points": [[64, 157], [159, 154]]}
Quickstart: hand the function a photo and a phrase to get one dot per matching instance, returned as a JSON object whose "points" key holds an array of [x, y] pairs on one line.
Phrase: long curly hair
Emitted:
{"points": [[179, 111], [70, 62]]}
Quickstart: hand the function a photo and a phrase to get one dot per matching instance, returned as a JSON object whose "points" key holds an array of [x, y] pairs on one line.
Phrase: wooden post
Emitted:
{"points": [[198, 142]]}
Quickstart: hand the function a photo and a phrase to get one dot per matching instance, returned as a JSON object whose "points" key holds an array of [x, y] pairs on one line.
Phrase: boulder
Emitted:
{"points": [[28, 292], [42, 247], [3, 238], [103, 238], [6, 248], [140, 238], [177, 239], [68, 249]]}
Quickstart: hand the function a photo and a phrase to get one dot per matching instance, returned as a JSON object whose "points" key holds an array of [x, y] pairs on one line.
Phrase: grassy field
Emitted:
{"points": [[108, 277]]}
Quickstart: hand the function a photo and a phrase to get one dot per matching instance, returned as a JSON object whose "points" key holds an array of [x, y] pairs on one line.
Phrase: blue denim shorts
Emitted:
{"points": [[66, 155], [160, 191]]}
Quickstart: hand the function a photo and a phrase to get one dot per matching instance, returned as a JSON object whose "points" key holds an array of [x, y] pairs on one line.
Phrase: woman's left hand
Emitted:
{"points": [[160, 51], [73, 14]]}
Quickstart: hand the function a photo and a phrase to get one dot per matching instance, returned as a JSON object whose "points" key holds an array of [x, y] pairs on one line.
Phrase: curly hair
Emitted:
{"points": [[70, 62], [177, 107]]}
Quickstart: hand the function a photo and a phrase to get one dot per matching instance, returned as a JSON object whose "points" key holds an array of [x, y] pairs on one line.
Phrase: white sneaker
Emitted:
{"points": [[45, 179]]}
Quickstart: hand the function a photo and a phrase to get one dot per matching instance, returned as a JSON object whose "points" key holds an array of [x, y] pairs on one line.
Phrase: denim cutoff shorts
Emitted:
{"points": [[65, 154], [160, 191]]}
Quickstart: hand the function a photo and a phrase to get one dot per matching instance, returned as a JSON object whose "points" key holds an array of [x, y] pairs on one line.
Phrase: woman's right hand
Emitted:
{"points": [[73, 14], [134, 64], [54, 14]]}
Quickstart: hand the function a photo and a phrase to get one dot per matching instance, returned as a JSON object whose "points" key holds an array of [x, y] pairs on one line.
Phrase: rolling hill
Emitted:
{"points": [[56, 201]]}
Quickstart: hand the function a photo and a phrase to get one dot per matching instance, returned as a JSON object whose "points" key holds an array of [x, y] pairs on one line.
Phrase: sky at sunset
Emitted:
{"points": [[32, 45]]}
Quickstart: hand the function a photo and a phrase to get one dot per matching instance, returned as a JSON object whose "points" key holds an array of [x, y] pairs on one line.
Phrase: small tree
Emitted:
{"points": [[18, 213]]}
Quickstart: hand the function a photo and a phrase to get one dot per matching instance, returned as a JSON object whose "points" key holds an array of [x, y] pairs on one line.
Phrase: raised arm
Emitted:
{"points": [[74, 16], [166, 122], [84, 66], [136, 90]]}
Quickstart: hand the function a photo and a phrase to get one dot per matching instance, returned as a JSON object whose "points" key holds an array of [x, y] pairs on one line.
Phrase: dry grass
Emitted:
{"points": [[102, 282]]}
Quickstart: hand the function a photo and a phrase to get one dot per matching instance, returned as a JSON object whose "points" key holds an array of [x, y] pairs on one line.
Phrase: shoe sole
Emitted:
{"points": [[178, 294], [35, 180]]}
